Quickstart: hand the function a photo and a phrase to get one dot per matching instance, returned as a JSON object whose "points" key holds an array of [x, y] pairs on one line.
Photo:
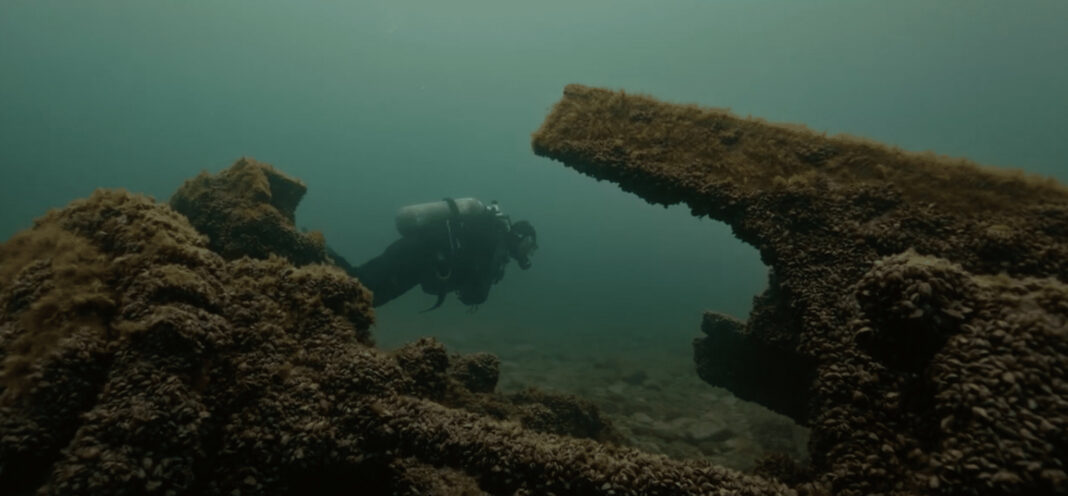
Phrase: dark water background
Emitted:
{"points": [[377, 104]]}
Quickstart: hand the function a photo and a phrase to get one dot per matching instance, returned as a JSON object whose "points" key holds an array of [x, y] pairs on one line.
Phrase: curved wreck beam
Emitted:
{"points": [[912, 292]]}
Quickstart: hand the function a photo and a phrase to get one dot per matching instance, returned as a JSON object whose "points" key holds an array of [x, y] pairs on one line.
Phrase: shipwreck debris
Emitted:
{"points": [[927, 293], [140, 360]]}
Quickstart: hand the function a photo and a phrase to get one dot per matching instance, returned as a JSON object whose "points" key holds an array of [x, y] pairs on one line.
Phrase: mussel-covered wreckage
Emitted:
{"points": [[915, 317], [915, 320]]}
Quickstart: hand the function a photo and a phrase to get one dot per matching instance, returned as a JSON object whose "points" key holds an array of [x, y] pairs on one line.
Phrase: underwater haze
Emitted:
{"points": [[379, 104]]}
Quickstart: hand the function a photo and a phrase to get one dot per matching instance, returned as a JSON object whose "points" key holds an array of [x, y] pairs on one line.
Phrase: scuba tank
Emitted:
{"points": [[414, 218]]}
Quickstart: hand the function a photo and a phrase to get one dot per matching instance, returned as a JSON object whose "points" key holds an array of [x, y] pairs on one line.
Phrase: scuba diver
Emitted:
{"points": [[454, 245]]}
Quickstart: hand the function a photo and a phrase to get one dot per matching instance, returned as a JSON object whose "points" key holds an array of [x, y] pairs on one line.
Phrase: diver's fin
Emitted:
{"points": [[441, 299]]}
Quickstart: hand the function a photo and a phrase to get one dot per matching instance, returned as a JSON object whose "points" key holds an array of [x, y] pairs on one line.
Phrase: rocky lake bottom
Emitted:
{"points": [[647, 388]]}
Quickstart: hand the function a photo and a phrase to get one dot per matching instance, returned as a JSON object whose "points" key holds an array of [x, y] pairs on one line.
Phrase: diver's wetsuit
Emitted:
{"points": [[466, 255]]}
